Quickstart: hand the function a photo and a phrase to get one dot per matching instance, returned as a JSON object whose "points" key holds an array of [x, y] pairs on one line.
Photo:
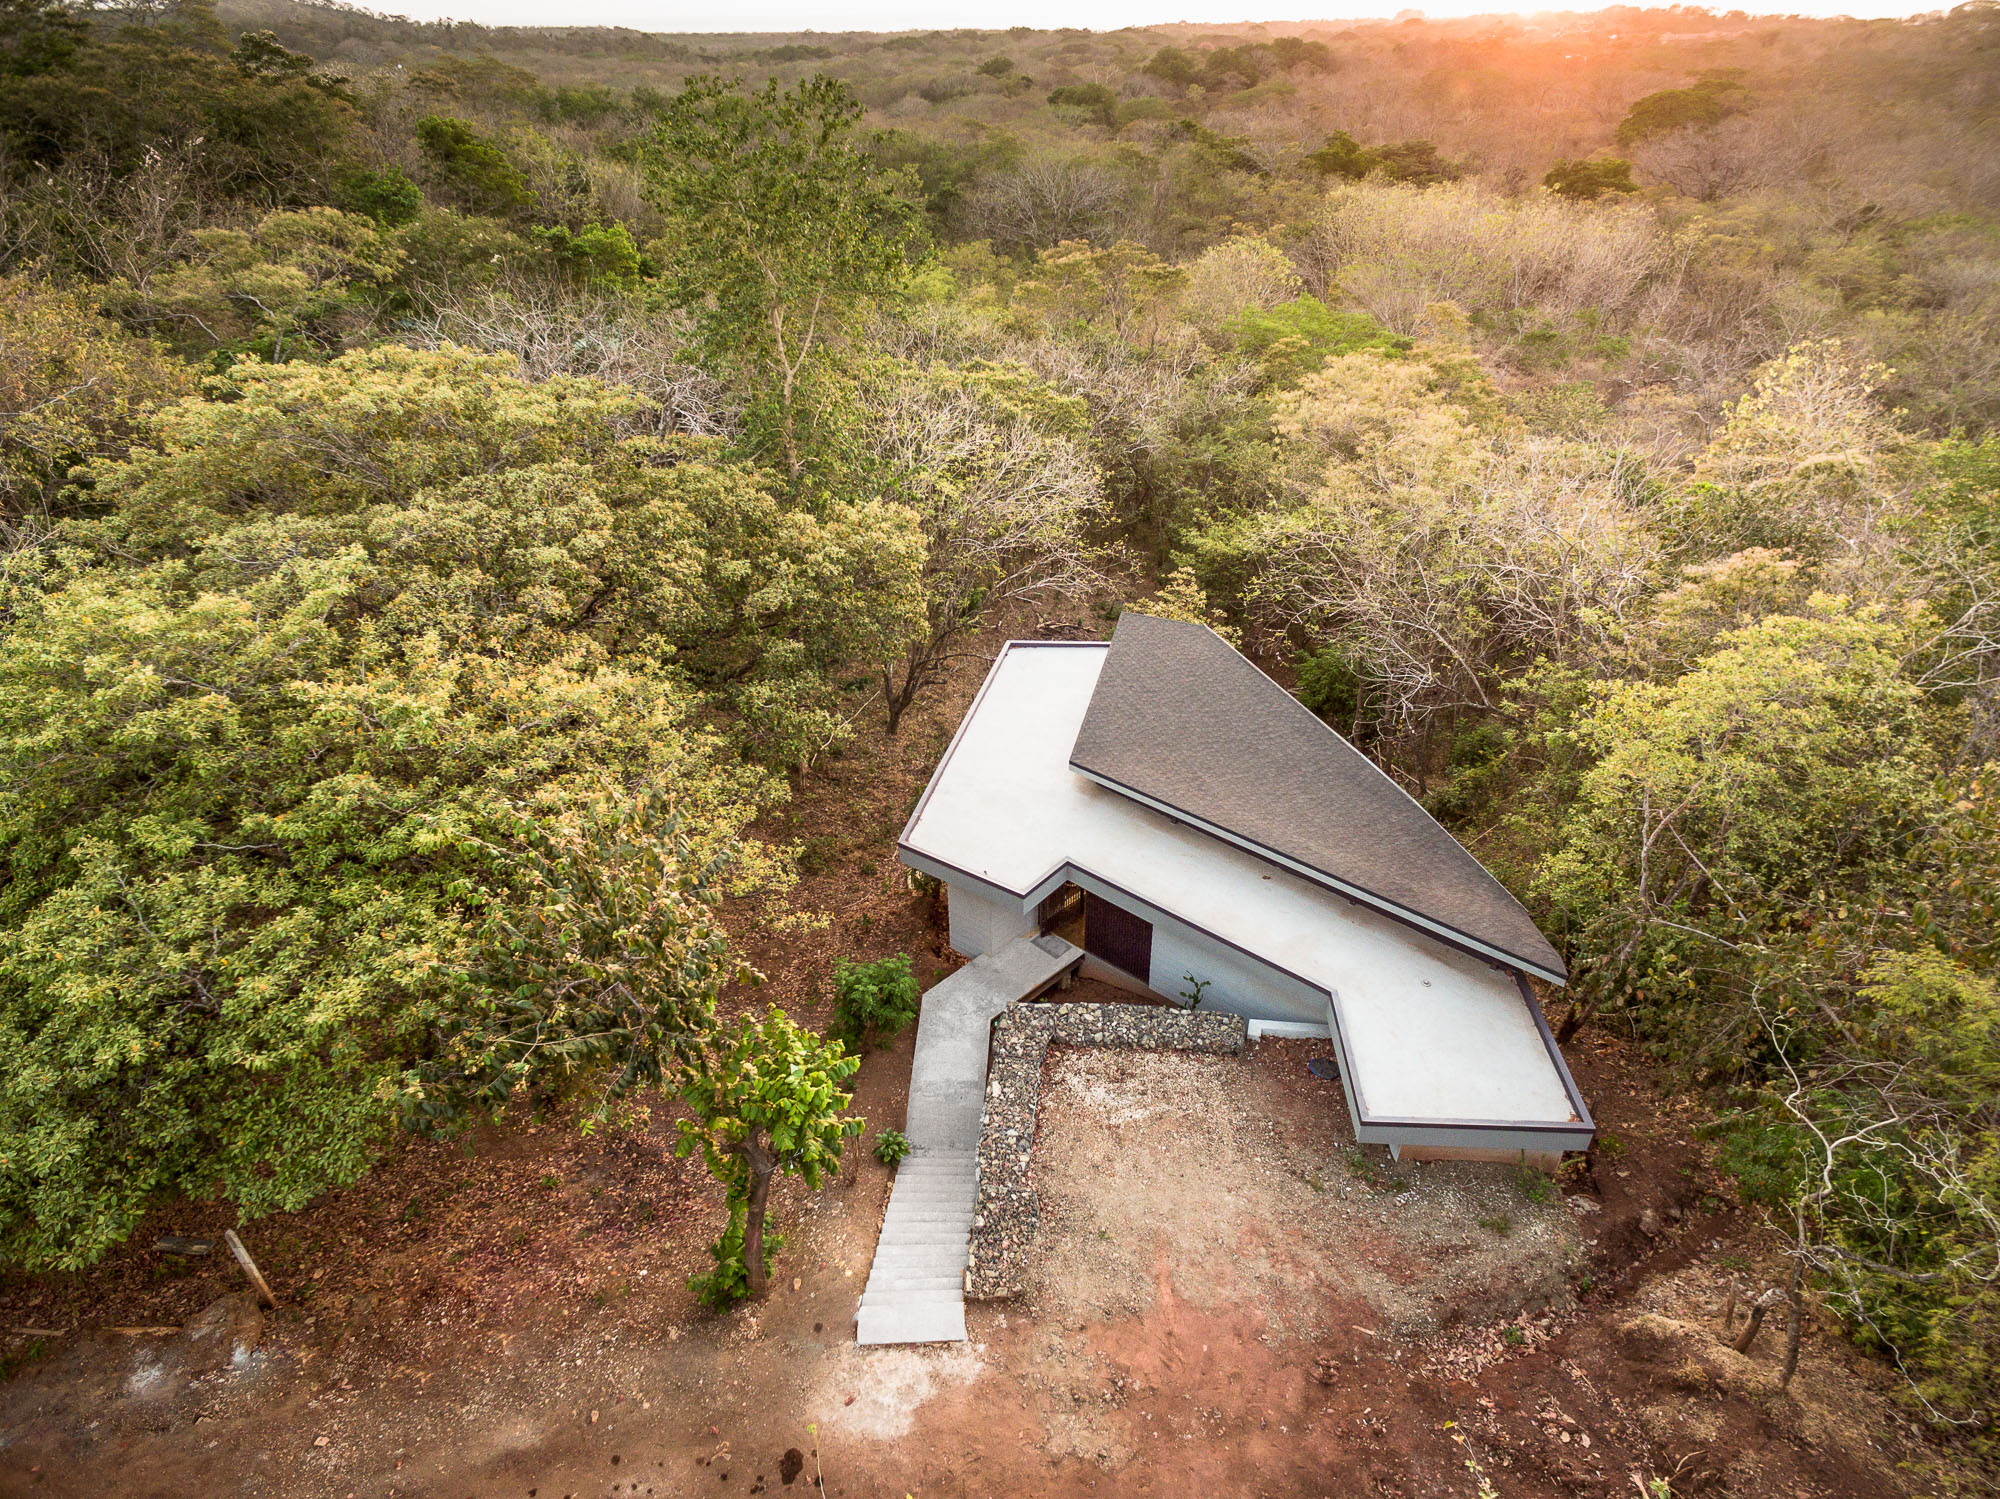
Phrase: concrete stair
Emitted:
{"points": [[916, 1286]]}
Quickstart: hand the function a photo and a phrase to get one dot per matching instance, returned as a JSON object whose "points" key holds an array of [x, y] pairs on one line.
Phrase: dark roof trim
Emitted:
{"points": [[944, 870], [1430, 928]]}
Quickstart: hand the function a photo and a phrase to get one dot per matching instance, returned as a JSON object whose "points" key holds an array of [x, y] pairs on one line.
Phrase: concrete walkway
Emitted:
{"points": [[916, 1286]]}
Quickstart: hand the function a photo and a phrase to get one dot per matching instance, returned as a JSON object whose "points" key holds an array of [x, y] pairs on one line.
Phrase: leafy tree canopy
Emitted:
{"points": [[1591, 178], [264, 767], [1708, 102], [780, 227]]}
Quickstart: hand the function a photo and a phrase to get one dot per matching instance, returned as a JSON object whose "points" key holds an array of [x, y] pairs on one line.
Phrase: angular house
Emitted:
{"points": [[1170, 809]]}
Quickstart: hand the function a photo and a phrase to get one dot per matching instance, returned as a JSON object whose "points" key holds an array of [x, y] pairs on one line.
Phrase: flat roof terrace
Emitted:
{"points": [[1429, 1034]]}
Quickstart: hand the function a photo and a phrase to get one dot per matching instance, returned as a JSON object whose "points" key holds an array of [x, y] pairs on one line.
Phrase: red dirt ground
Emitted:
{"points": [[513, 1319]]}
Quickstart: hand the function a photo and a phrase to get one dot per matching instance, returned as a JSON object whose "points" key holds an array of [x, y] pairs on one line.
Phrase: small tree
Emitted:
{"points": [[781, 225], [768, 1100], [1590, 178]]}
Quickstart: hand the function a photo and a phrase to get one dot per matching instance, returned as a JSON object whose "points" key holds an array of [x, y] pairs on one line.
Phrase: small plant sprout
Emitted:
{"points": [[1195, 988], [1473, 1466], [891, 1145], [1535, 1185]]}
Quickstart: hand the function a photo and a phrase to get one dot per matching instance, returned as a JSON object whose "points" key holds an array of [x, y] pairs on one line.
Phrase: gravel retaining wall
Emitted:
{"points": [[1007, 1212]]}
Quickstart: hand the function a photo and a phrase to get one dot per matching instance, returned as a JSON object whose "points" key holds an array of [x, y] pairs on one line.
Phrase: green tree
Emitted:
{"points": [[263, 771], [300, 283], [1590, 178], [38, 36], [768, 1101], [603, 971], [1708, 102], [73, 384], [387, 196], [1732, 812], [471, 169], [106, 97], [1093, 101], [780, 228], [1415, 161], [874, 1001], [1295, 338]]}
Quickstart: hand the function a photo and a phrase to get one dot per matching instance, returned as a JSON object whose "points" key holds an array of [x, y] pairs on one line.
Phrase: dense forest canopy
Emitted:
{"points": [[454, 480]]}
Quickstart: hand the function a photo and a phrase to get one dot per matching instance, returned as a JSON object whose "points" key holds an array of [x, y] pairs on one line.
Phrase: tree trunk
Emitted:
{"points": [[1795, 1300], [763, 1165], [1751, 1328], [753, 1234], [917, 664], [897, 699], [1758, 1310], [1574, 1021]]}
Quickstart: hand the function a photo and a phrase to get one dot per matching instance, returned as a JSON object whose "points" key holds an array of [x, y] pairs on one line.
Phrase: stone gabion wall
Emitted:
{"points": [[1007, 1213]]}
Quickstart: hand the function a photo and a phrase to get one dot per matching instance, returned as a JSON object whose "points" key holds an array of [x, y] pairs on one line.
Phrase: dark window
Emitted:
{"points": [[1118, 937]]}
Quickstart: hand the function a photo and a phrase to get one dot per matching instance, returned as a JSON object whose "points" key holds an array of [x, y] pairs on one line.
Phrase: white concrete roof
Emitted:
{"points": [[1431, 1033]]}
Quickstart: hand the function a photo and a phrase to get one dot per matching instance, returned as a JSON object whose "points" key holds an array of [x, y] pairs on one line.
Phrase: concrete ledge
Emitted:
{"points": [[1007, 1211], [1290, 1030]]}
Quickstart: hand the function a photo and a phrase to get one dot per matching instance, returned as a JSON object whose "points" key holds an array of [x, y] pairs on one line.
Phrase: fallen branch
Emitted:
{"points": [[249, 1268]]}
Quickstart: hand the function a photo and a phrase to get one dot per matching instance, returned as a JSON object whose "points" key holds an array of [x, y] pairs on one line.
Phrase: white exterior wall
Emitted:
{"points": [[1440, 1046], [1239, 985], [981, 924]]}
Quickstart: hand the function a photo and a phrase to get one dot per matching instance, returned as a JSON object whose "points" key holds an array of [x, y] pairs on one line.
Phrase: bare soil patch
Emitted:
{"points": [[515, 1321], [1236, 1180]]}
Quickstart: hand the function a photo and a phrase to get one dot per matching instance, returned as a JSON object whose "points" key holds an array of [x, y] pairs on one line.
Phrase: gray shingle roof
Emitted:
{"points": [[1180, 718]]}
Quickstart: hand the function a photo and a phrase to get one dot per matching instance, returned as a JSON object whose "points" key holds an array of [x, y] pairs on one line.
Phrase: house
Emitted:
{"points": [[1191, 826]]}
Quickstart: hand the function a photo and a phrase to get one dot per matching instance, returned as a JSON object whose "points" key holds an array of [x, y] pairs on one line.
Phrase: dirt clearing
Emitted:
{"points": [[1239, 1180]]}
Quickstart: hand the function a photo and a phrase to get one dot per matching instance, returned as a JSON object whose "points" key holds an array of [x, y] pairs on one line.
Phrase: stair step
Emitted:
{"points": [[882, 1284], [896, 1251], [910, 1324], [898, 1214], [934, 1262], [933, 1296]]}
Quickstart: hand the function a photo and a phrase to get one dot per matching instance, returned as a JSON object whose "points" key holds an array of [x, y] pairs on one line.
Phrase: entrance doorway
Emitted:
{"points": [[1101, 929]]}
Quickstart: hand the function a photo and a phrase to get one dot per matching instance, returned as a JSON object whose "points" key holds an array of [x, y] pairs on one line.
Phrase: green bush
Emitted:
{"points": [[1295, 338], [1329, 685], [873, 1001], [891, 1146]]}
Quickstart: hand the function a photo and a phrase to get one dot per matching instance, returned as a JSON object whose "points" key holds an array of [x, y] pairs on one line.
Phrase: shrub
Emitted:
{"points": [[1329, 685], [873, 1001], [891, 1146]]}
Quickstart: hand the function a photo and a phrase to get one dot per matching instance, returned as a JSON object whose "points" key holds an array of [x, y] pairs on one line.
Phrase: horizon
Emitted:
{"points": [[788, 16]]}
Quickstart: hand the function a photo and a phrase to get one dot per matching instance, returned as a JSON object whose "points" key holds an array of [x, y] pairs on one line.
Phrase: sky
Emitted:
{"points": [[904, 15]]}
